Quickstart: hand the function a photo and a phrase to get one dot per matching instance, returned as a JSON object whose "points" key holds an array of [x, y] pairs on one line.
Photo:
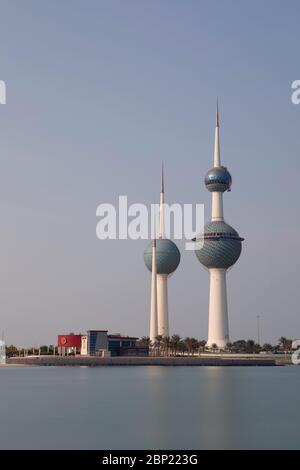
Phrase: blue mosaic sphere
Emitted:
{"points": [[218, 179], [167, 256], [222, 245]]}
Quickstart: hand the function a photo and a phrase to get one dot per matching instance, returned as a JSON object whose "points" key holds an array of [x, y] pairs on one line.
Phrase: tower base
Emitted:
{"points": [[162, 305], [218, 329]]}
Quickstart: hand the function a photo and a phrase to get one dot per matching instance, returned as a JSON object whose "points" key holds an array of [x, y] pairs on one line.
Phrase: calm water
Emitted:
{"points": [[149, 407]]}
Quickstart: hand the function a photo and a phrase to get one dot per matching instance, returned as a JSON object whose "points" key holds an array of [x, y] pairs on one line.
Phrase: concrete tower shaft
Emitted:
{"points": [[153, 308], [217, 197]]}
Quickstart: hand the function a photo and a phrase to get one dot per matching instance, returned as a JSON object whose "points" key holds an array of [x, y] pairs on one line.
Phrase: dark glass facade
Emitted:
{"points": [[97, 340], [118, 346]]}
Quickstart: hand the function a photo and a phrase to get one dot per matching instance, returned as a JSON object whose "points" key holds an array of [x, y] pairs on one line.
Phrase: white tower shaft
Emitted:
{"points": [[217, 206], [218, 328], [153, 308], [162, 304]]}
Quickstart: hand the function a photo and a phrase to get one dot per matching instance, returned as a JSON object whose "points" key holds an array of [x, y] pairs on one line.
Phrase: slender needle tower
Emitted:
{"points": [[153, 308], [220, 248], [167, 261], [161, 205], [162, 278]]}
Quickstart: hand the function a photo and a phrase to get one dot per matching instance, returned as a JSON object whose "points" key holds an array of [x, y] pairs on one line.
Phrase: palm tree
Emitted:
{"points": [[285, 344], [214, 347], [282, 342], [158, 341], [195, 345], [267, 347], [239, 346], [175, 342], [250, 346], [166, 345], [11, 350], [201, 345], [188, 344], [144, 342], [182, 347], [289, 344]]}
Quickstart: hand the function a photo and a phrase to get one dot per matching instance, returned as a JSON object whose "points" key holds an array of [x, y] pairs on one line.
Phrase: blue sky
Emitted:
{"points": [[98, 94]]}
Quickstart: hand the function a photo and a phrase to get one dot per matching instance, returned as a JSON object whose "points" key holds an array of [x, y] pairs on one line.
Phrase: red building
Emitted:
{"points": [[70, 341]]}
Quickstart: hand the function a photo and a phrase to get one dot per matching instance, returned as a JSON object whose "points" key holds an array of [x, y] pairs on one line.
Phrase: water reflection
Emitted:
{"points": [[150, 407], [198, 402]]}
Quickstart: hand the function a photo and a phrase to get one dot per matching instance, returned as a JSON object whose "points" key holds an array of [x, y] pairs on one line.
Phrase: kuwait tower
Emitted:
{"points": [[162, 258], [219, 248]]}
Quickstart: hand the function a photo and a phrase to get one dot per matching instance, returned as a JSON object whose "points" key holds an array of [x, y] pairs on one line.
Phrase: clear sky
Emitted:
{"points": [[98, 94]]}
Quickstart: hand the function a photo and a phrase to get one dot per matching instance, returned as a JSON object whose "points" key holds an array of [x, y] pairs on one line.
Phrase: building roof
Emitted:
{"points": [[69, 335], [97, 331], [122, 337]]}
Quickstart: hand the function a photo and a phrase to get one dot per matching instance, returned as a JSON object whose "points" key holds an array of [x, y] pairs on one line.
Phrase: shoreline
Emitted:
{"points": [[92, 361]]}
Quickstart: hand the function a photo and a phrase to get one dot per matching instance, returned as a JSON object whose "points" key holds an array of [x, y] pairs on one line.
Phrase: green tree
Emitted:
{"points": [[11, 351], [175, 340], [285, 344], [166, 345], [267, 347], [158, 342], [194, 345], [188, 345], [144, 342]]}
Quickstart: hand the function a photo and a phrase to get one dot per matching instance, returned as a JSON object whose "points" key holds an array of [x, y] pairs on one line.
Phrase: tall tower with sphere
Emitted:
{"points": [[218, 249], [167, 260]]}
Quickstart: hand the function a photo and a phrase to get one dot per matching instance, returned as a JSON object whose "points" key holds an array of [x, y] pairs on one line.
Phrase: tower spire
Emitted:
{"points": [[217, 161], [161, 205]]}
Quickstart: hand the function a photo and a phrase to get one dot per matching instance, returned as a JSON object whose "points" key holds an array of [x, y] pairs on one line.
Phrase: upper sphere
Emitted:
{"points": [[218, 179], [167, 256], [220, 245]]}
